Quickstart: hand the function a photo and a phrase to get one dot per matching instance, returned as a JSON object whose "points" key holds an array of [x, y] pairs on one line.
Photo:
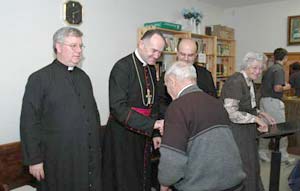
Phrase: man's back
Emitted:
{"points": [[197, 138], [273, 76]]}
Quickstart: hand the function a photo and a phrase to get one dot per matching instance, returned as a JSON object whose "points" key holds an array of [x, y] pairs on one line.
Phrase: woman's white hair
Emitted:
{"points": [[251, 57], [182, 71]]}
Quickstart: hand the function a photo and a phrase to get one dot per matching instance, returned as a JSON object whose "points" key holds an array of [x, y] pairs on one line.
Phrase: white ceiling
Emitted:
{"points": [[236, 3]]}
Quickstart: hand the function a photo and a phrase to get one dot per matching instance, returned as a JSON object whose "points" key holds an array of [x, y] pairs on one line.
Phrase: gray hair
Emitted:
{"points": [[182, 71], [60, 35], [251, 57]]}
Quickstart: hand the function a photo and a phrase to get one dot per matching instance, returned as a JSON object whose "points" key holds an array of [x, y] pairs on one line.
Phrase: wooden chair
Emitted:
{"points": [[12, 172]]}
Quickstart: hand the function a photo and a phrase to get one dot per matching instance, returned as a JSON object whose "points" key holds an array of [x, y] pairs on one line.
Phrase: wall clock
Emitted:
{"points": [[73, 12]]}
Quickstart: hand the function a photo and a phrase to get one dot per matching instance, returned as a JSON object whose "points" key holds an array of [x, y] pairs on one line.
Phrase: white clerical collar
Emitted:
{"points": [[183, 90], [70, 68], [136, 52]]}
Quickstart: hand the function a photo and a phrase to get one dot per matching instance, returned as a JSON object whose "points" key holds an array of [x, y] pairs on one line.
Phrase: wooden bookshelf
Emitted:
{"points": [[226, 56]]}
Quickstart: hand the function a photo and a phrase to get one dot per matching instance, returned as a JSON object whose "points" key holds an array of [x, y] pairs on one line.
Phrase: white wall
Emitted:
{"points": [[262, 27], [109, 28]]}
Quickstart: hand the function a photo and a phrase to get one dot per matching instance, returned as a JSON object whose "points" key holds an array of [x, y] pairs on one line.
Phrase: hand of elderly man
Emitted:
{"points": [[165, 188], [156, 142]]}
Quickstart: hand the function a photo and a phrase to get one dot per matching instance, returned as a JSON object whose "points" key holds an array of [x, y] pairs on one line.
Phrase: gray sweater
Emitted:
{"points": [[198, 152]]}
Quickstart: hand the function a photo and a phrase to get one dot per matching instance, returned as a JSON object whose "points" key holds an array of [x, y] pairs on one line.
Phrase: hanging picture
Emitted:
{"points": [[294, 30]]}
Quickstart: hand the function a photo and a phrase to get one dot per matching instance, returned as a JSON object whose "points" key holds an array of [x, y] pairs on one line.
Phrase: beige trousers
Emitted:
{"points": [[276, 109]]}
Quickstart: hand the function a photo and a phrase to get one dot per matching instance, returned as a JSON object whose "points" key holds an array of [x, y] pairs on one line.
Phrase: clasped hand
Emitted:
{"points": [[263, 120], [159, 124]]}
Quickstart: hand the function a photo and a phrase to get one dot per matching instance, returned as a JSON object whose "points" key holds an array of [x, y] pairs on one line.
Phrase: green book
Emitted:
{"points": [[165, 25]]}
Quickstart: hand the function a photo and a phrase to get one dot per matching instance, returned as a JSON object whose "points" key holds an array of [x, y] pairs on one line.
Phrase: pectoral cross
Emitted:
{"points": [[148, 96]]}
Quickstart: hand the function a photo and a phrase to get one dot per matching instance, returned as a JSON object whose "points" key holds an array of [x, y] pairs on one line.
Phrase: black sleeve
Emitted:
{"points": [[211, 85], [118, 101], [30, 122]]}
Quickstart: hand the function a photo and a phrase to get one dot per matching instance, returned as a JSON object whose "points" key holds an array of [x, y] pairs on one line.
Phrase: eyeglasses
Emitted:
{"points": [[182, 54], [74, 46]]}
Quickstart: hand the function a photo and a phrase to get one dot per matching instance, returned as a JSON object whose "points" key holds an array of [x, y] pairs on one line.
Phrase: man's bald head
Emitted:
{"points": [[187, 50]]}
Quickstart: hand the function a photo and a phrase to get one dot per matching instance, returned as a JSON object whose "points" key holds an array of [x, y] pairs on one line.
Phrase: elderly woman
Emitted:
{"points": [[239, 100]]}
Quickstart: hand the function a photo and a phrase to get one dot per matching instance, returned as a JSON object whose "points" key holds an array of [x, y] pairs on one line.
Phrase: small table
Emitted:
{"points": [[276, 132]]}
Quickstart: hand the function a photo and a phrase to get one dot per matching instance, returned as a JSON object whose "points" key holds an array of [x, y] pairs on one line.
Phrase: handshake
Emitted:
{"points": [[159, 124]]}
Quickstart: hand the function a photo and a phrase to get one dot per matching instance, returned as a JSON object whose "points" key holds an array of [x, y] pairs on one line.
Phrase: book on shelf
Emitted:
{"points": [[220, 69], [172, 42], [223, 49], [165, 25], [202, 48], [219, 87]]}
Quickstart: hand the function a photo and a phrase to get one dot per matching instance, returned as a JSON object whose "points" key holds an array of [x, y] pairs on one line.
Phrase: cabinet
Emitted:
{"points": [[207, 49], [225, 65]]}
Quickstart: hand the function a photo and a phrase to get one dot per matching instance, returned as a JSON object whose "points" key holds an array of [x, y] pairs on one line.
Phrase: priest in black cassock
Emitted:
{"points": [[132, 123], [188, 52], [60, 121]]}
